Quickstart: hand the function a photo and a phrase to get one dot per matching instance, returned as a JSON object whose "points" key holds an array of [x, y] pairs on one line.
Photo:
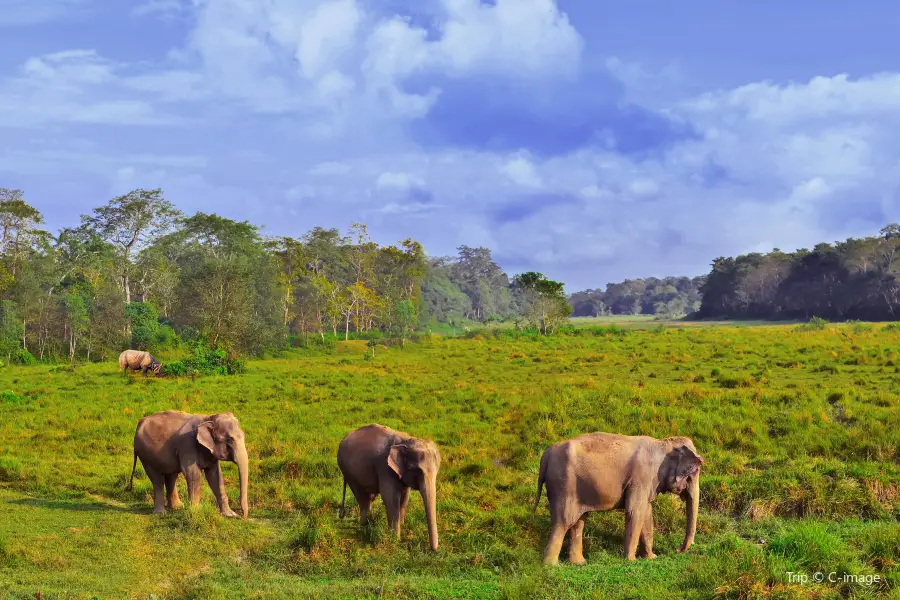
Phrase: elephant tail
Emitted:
{"points": [[343, 498], [542, 476], [131, 479]]}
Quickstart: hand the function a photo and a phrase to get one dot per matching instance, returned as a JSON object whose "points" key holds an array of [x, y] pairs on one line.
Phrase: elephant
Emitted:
{"points": [[604, 471], [173, 442], [375, 459], [138, 360]]}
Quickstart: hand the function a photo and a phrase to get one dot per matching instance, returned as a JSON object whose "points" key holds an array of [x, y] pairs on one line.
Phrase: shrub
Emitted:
{"points": [[175, 369], [205, 360], [23, 357], [814, 324], [166, 338], [11, 398]]}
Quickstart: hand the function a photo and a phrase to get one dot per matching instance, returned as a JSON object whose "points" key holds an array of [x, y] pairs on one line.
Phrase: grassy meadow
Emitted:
{"points": [[800, 430]]}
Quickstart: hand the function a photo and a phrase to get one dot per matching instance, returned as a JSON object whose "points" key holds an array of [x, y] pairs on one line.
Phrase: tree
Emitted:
{"points": [[221, 264], [143, 319], [546, 307], [128, 221], [76, 320], [19, 222], [10, 329]]}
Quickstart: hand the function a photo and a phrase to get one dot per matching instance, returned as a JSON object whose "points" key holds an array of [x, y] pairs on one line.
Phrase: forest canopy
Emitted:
{"points": [[853, 279], [138, 273]]}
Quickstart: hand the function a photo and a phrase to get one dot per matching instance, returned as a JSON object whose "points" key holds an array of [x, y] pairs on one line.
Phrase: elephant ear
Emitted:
{"points": [[688, 465], [397, 459], [205, 435]]}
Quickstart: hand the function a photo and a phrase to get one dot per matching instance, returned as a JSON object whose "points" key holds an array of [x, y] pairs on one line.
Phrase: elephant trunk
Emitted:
{"points": [[242, 462], [692, 507], [428, 491]]}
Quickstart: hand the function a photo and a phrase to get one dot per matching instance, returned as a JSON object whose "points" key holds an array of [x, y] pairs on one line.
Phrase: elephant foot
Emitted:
{"points": [[229, 513], [159, 511], [175, 505], [551, 562], [577, 560], [648, 556], [632, 557]]}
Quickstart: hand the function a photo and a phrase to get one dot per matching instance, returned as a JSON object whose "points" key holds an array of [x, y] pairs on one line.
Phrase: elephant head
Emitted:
{"points": [[221, 434], [681, 475], [416, 463]]}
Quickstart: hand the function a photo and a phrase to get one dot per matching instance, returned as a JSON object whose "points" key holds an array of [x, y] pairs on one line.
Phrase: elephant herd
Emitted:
{"points": [[592, 472]]}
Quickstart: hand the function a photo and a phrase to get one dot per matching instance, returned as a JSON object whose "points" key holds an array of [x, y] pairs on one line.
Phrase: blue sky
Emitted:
{"points": [[587, 139]]}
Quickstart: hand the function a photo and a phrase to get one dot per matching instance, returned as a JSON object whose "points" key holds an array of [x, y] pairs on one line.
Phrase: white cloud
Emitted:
{"points": [[812, 189], [325, 36], [643, 187], [302, 191], [73, 86], [521, 171], [164, 9], [592, 191], [821, 97], [525, 37], [398, 181], [409, 208]]}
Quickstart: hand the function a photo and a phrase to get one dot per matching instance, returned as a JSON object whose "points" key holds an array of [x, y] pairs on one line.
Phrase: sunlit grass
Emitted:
{"points": [[800, 431]]}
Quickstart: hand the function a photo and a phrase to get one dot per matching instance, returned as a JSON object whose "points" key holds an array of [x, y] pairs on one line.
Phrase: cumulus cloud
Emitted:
{"points": [[72, 86], [522, 172], [491, 116], [398, 181]]}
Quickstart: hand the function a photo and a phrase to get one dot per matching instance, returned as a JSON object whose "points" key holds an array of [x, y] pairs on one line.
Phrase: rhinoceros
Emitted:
{"points": [[138, 360]]}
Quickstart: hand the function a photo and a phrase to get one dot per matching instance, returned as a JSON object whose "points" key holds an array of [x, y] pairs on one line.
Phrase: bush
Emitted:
{"points": [[23, 357], [174, 369], [11, 398], [166, 338], [814, 324], [206, 361]]}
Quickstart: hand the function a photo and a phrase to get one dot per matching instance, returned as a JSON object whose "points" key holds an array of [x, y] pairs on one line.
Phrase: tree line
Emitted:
{"points": [[853, 279], [669, 297], [138, 273]]}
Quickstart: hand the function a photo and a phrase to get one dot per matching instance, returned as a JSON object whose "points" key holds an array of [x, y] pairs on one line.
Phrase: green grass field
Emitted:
{"points": [[800, 431]]}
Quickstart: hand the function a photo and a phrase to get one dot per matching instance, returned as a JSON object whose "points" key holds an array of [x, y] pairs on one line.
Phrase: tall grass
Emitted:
{"points": [[800, 431]]}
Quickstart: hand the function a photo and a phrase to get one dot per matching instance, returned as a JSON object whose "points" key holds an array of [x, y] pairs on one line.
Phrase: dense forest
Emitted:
{"points": [[138, 273], [668, 298], [854, 279]]}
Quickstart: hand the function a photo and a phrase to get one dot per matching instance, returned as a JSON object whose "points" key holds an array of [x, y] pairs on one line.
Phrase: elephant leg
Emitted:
{"points": [[635, 511], [217, 485], [193, 475], [575, 542], [159, 489], [364, 499], [554, 543], [391, 492], [647, 534], [172, 499], [404, 502]]}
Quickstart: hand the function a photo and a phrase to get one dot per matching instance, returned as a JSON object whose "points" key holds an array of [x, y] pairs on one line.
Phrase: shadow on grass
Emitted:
{"points": [[77, 505]]}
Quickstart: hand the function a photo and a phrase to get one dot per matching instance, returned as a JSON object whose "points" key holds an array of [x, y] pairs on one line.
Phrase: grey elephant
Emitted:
{"points": [[173, 442], [378, 460], [138, 360], [604, 471]]}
